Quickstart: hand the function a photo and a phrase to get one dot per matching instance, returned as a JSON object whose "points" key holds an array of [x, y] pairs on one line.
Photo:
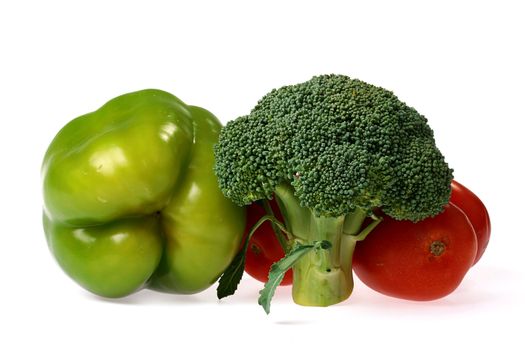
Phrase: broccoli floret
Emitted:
{"points": [[341, 144], [333, 147]]}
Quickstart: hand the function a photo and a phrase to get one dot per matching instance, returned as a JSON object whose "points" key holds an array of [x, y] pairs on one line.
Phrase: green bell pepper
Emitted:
{"points": [[131, 199]]}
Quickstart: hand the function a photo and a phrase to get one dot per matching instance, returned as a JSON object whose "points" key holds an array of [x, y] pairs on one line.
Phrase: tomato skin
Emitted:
{"points": [[396, 259], [476, 212], [263, 248]]}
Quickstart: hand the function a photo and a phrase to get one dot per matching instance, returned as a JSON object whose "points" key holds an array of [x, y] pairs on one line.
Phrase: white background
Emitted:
{"points": [[459, 63]]}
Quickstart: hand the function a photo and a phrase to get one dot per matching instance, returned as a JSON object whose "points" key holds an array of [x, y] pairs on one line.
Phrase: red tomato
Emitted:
{"points": [[417, 261], [263, 248], [476, 212]]}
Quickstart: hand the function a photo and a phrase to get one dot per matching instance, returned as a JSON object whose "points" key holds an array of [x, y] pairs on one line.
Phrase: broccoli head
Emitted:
{"points": [[341, 144]]}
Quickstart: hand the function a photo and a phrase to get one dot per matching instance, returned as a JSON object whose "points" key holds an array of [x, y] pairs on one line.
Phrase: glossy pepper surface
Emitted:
{"points": [[131, 199]]}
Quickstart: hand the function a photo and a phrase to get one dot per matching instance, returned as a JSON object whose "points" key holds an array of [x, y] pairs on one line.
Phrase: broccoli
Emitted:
{"points": [[332, 150]]}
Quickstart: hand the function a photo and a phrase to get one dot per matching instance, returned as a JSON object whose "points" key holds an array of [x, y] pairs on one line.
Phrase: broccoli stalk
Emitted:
{"points": [[323, 277], [332, 150]]}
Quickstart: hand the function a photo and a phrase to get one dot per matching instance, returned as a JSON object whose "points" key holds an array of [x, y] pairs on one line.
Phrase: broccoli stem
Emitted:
{"points": [[323, 276], [283, 241]]}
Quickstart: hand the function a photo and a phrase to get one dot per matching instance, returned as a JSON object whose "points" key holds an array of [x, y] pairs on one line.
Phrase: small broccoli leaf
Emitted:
{"points": [[279, 268], [232, 276]]}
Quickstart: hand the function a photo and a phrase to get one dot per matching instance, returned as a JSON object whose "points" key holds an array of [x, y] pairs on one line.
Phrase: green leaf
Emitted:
{"points": [[232, 276], [279, 268]]}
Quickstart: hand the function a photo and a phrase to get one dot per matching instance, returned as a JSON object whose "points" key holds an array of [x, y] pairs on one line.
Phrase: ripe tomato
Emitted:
{"points": [[417, 261], [476, 212], [263, 248]]}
